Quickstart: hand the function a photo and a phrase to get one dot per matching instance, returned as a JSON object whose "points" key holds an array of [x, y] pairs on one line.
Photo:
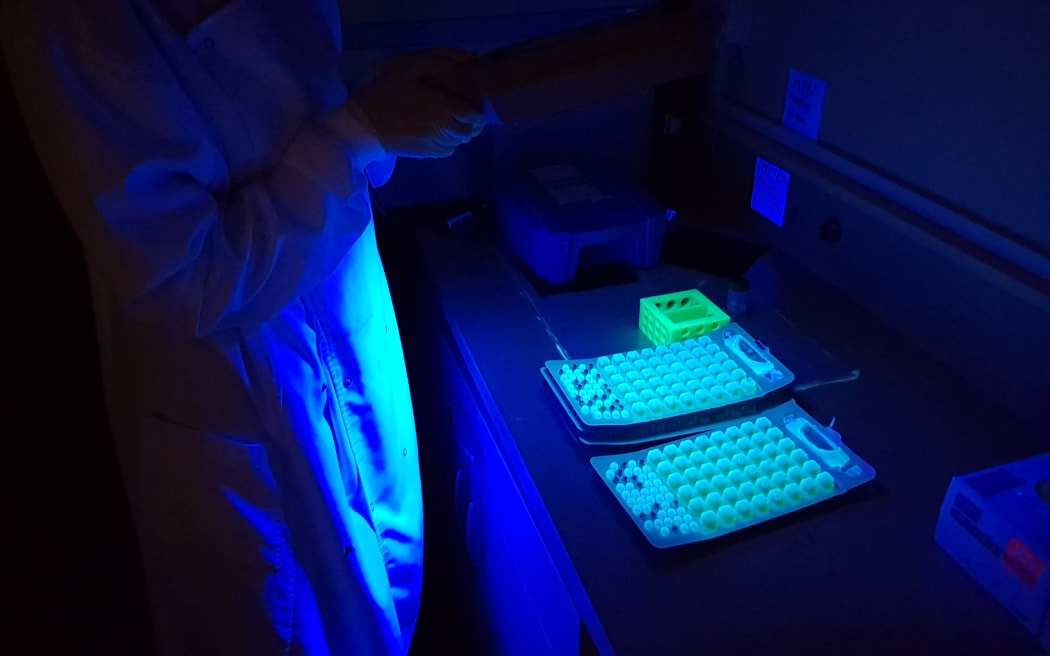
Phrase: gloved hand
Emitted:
{"points": [[414, 119]]}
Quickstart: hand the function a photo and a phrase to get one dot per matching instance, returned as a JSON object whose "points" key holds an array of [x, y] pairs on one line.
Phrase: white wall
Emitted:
{"points": [[933, 155], [950, 98]]}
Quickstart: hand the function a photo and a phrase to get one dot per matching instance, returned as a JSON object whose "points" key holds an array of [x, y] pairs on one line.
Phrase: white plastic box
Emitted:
{"points": [[996, 524], [556, 217]]}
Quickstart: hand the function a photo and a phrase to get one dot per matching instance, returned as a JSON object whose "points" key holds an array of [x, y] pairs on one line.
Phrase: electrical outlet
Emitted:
{"points": [[831, 231]]}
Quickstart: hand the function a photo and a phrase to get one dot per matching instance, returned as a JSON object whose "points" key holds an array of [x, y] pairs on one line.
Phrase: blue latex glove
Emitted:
{"points": [[413, 119]]}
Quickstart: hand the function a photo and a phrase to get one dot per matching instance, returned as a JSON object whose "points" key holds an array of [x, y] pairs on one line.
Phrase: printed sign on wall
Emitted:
{"points": [[769, 195], [804, 103]]}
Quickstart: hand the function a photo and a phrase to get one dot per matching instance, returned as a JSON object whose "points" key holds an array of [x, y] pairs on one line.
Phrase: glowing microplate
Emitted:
{"points": [[731, 477], [674, 380]]}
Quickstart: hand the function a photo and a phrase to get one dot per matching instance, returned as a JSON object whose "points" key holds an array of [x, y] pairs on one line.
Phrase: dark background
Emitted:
{"points": [[77, 580]]}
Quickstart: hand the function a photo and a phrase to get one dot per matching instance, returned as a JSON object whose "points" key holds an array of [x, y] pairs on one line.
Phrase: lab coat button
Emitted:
{"points": [[209, 44], [347, 383]]}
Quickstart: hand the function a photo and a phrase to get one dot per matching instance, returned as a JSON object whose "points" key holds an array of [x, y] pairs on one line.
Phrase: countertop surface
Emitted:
{"points": [[859, 573]]}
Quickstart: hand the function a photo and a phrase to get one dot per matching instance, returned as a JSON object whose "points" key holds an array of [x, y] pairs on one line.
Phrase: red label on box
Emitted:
{"points": [[1020, 560]]}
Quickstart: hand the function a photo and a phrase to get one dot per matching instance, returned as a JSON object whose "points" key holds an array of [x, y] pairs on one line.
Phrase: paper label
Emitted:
{"points": [[804, 103], [769, 195], [567, 185]]}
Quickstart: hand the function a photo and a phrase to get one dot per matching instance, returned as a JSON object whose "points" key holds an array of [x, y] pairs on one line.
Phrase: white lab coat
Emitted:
{"points": [[254, 375]]}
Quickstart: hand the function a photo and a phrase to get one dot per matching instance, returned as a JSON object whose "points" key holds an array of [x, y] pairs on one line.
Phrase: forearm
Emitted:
{"points": [[181, 238]]}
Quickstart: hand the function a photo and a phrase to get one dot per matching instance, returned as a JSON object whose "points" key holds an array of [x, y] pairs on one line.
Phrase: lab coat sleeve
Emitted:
{"points": [[144, 179]]}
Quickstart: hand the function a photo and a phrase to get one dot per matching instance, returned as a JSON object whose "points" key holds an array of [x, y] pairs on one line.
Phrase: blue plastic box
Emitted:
{"points": [[559, 217], [996, 524]]}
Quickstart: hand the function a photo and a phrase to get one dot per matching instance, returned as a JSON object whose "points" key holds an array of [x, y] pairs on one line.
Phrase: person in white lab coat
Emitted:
{"points": [[217, 173]]}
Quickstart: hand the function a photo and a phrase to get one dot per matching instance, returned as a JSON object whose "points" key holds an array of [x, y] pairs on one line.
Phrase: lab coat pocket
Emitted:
{"points": [[214, 540]]}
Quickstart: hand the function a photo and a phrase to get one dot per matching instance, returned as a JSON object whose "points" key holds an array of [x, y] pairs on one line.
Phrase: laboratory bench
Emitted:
{"points": [[547, 561]]}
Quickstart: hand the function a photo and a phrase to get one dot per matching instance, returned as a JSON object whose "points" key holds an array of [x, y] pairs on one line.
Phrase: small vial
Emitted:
{"points": [[736, 299]]}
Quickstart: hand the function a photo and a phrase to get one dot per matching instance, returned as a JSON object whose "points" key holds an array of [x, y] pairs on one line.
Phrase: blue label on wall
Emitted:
{"points": [[769, 195], [804, 103]]}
